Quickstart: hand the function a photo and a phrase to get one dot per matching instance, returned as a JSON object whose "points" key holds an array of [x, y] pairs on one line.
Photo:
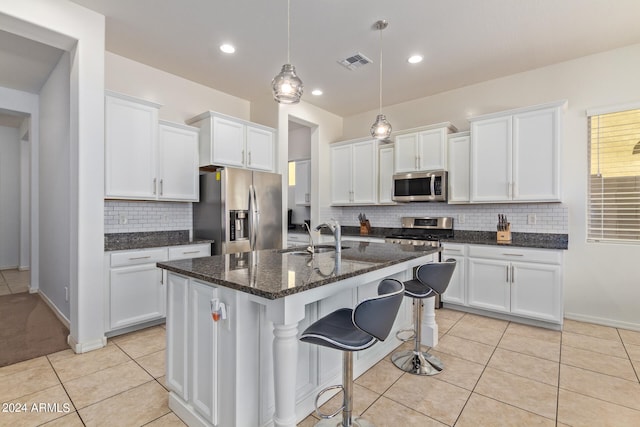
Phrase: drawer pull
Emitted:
{"points": [[452, 250], [190, 252], [139, 257], [513, 254]]}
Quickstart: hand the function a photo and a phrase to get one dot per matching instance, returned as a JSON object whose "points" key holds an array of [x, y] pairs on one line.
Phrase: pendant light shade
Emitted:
{"points": [[381, 128], [287, 86]]}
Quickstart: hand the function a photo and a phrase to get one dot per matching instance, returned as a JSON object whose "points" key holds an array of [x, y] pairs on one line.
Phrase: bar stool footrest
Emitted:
{"points": [[417, 362], [320, 393], [356, 422], [404, 331]]}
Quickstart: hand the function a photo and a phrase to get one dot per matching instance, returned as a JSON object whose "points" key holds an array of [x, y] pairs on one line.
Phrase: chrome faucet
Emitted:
{"points": [[334, 226], [311, 248]]}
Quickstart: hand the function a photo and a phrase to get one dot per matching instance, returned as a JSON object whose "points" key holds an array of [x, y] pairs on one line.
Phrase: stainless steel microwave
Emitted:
{"points": [[428, 186]]}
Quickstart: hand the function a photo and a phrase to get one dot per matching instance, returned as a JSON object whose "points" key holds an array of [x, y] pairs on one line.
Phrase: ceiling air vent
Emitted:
{"points": [[355, 61]]}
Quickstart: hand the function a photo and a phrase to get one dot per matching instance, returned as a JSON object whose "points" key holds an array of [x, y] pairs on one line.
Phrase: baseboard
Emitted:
{"points": [[61, 317], [24, 268], [86, 346], [602, 321]]}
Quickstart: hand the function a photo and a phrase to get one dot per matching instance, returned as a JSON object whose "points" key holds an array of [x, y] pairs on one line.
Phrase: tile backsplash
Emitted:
{"points": [[127, 217], [549, 217]]}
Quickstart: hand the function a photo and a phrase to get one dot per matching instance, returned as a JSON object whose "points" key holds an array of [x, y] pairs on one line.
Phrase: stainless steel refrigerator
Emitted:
{"points": [[241, 210]]}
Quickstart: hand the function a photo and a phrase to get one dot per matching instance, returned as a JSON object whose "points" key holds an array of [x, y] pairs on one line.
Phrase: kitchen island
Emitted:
{"points": [[249, 369]]}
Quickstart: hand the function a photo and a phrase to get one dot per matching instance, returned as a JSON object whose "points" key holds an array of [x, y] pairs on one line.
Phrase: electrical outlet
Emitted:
{"points": [[122, 220], [460, 218], [531, 219], [66, 293]]}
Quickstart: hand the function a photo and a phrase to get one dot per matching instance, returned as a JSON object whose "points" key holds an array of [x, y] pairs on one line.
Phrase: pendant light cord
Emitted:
{"points": [[380, 110], [288, 31]]}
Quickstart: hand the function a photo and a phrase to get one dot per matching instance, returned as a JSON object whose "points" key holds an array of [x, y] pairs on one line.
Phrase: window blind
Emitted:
{"points": [[614, 177]]}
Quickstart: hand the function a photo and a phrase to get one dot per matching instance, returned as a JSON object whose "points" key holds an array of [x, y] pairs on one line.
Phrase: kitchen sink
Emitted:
{"points": [[318, 250]]}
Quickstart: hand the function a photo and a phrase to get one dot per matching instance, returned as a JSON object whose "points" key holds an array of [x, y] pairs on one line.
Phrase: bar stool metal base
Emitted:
{"points": [[356, 422], [417, 362]]}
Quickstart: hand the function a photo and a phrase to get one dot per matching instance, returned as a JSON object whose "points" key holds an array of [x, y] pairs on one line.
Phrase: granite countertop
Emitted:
{"points": [[524, 240], [277, 273], [150, 239]]}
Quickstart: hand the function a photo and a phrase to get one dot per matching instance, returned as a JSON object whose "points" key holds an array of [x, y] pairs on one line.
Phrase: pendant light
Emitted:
{"points": [[381, 128], [287, 86]]}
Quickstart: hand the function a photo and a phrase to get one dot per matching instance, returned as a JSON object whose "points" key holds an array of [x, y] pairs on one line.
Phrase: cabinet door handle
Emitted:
{"points": [[507, 274], [190, 252], [161, 186], [513, 276], [513, 190], [249, 157], [139, 257], [513, 254], [154, 186], [242, 156]]}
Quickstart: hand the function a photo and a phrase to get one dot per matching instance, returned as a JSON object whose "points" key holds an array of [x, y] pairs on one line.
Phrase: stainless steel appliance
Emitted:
{"points": [[241, 210], [420, 186], [422, 231]]}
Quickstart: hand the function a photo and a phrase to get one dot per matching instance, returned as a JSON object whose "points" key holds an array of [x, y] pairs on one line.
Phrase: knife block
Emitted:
{"points": [[505, 235], [365, 228]]}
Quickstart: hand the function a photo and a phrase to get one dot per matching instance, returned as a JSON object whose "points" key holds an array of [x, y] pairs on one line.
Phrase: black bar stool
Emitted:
{"points": [[431, 279], [352, 330]]}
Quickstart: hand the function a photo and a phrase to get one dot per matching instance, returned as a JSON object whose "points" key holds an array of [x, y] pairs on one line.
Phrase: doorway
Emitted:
{"points": [[299, 198]]}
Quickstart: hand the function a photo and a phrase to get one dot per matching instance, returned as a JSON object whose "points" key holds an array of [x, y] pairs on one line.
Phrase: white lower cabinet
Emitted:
{"points": [[136, 291], [521, 282], [192, 365], [456, 291], [136, 288]]}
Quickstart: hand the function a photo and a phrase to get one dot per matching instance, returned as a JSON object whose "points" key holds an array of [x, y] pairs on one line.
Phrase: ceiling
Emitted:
{"points": [[463, 42]]}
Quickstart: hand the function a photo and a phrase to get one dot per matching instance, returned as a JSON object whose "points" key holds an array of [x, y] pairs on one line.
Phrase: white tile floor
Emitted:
{"points": [[497, 373]]}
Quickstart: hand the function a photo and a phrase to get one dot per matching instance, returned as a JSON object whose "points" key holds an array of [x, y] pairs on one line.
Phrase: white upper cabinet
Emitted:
{"points": [[228, 141], [178, 162], [458, 161], [354, 173], [131, 135], [422, 149], [515, 155], [385, 174], [146, 159]]}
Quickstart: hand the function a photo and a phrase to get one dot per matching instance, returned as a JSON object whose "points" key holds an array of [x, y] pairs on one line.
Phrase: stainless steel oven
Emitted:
{"points": [[420, 186]]}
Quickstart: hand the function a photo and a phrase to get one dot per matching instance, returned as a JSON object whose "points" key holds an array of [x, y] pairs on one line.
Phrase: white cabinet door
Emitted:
{"points": [[131, 135], [303, 182], [406, 156], [178, 335], [178, 163], [536, 155], [260, 149], [536, 291], [491, 160], [228, 142], [341, 174], [432, 150], [204, 344], [459, 169], [385, 174], [364, 172], [488, 284], [455, 292], [136, 295]]}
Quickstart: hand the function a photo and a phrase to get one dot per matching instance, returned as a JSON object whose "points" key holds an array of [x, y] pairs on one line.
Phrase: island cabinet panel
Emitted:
{"points": [[192, 346], [456, 291]]}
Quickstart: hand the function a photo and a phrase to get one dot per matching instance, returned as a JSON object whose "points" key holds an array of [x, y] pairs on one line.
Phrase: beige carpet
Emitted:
{"points": [[28, 329]]}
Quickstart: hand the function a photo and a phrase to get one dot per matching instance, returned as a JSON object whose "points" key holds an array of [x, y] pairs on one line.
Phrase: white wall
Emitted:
{"points": [[600, 280], [55, 187], [67, 26], [9, 197], [300, 143], [181, 99]]}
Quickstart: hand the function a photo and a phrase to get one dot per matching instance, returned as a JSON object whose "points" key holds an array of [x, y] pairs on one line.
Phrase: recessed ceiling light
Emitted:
{"points": [[227, 48], [316, 92], [414, 59]]}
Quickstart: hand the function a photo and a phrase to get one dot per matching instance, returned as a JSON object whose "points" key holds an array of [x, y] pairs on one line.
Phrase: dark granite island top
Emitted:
{"points": [[275, 274]]}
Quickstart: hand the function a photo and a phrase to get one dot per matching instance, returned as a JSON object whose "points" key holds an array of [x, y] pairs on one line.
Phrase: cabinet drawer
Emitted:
{"points": [[453, 249], [546, 256], [143, 256], [189, 251]]}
